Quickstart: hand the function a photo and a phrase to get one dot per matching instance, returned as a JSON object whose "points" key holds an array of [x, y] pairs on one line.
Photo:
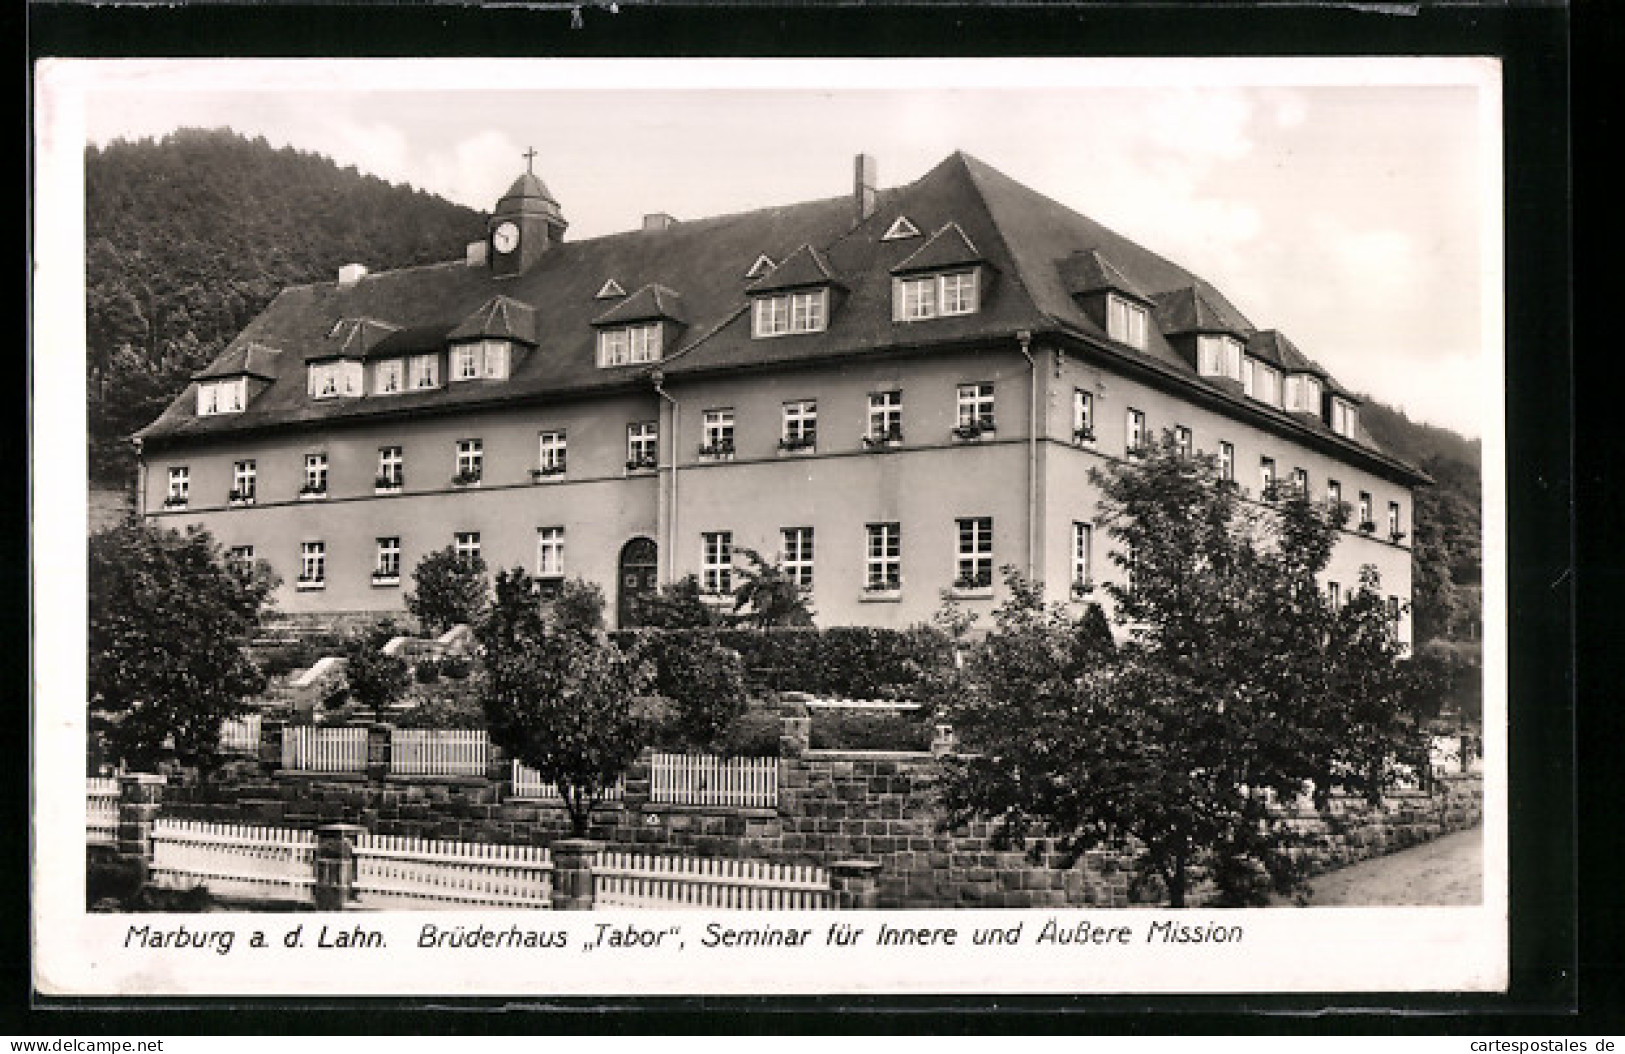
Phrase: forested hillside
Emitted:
{"points": [[190, 236]]}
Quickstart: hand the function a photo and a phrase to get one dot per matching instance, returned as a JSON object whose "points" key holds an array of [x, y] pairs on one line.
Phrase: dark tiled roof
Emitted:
{"points": [[949, 247], [804, 267], [526, 186], [646, 305], [692, 271], [1089, 272], [501, 317], [351, 338], [255, 360]]}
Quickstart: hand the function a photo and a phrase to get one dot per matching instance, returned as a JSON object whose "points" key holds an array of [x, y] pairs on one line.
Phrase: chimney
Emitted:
{"points": [[658, 221], [865, 192], [350, 274], [476, 254]]}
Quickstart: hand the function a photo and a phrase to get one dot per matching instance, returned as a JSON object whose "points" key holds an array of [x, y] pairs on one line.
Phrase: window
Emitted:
{"points": [[470, 461], [240, 558], [1182, 440], [465, 362], [221, 397], [386, 561], [388, 376], [425, 371], [797, 558], [1135, 441], [243, 478], [642, 445], [180, 485], [481, 360], [975, 403], [390, 468], [803, 312], [1218, 356], [312, 564], [331, 380], [885, 418], [1125, 321], [626, 345], [1261, 381], [718, 433], [467, 546], [883, 557], [1334, 493], [974, 568], [1334, 594], [551, 459], [1083, 416], [716, 562], [1365, 510], [315, 475], [1300, 482], [498, 358], [1083, 537], [550, 552], [934, 296], [1393, 608], [1344, 417], [1266, 478], [800, 430], [1394, 533], [1227, 462], [1303, 393]]}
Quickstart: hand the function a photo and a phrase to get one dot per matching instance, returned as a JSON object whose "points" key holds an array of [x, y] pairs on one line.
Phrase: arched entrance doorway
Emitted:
{"points": [[639, 576]]}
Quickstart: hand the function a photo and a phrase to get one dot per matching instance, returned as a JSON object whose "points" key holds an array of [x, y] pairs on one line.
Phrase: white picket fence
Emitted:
{"points": [[234, 861], [101, 811], [394, 872], [241, 735], [438, 752], [528, 784], [308, 748], [635, 880], [704, 779]]}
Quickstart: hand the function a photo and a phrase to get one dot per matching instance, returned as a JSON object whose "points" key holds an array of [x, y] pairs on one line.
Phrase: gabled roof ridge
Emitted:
{"points": [[1016, 276], [334, 283]]}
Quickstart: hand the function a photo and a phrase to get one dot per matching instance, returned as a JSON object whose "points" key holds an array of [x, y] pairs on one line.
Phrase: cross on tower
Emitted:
{"points": [[529, 155]]}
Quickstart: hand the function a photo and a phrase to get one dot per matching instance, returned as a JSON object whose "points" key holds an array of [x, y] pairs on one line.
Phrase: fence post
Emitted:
{"points": [[140, 796], [942, 740], [572, 873], [335, 865], [795, 736], [270, 744], [855, 883], [378, 748]]}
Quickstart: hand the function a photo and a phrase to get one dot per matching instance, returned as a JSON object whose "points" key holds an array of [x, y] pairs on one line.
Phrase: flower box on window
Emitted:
{"points": [[386, 578], [1081, 589], [880, 440], [972, 429], [311, 491], [240, 497], [1231, 485], [979, 581], [546, 472], [1138, 450], [1367, 527], [387, 483], [798, 442], [639, 464], [175, 501], [306, 582], [1396, 536], [1083, 435], [724, 449], [1272, 492], [466, 478]]}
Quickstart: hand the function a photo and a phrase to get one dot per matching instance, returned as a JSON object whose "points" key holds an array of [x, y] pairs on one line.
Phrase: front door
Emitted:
{"points": [[639, 576]]}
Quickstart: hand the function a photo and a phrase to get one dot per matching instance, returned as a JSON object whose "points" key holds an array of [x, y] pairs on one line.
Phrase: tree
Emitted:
{"points": [[169, 622], [1237, 686], [566, 702], [767, 595], [451, 589], [704, 681], [372, 677]]}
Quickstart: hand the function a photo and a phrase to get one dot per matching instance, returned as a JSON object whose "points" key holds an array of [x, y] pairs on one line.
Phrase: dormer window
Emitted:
{"points": [[222, 397], [388, 377], [335, 378], [481, 360], [628, 345], [1261, 381], [1218, 355], [1303, 392], [424, 371], [1344, 417], [1125, 321], [935, 296], [806, 311]]}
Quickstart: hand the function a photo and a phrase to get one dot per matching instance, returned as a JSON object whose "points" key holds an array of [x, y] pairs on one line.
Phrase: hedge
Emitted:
{"points": [[842, 662], [870, 730]]}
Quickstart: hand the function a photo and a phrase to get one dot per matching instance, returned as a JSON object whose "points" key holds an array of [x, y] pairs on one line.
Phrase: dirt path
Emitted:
{"points": [[1446, 871]]}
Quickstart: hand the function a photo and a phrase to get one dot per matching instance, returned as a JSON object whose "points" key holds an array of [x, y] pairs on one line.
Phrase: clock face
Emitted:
{"points": [[506, 237]]}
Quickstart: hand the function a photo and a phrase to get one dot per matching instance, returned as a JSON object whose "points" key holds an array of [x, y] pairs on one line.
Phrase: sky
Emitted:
{"points": [[1352, 205]]}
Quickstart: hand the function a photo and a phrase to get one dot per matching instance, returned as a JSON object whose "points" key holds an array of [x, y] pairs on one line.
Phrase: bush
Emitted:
{"points": [[451, 706], [704, 681], [753, 734], [834, 729], [428, 671], [448, 590], [455, 667], [372, 678], [675, 606]]}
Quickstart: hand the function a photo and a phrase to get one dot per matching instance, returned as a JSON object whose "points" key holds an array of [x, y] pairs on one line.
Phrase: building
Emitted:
{"points": [[894, 392]]}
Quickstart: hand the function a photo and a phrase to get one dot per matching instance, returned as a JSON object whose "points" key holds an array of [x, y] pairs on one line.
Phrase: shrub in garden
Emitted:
{"points": [[753, 734], [838, 729], [449, 589], [679, 605], [428, 671], [455, 667], [372, 678], [704, 681]]}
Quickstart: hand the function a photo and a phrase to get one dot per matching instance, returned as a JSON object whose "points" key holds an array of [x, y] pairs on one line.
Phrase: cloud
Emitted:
{"points": [[1201, 124]]}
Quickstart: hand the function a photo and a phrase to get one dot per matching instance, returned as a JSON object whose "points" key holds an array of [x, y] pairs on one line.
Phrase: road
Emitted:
{"points": [[1447, 871]]}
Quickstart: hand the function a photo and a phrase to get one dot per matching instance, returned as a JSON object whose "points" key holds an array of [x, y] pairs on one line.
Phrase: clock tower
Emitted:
{"points": [[525, 223]]}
